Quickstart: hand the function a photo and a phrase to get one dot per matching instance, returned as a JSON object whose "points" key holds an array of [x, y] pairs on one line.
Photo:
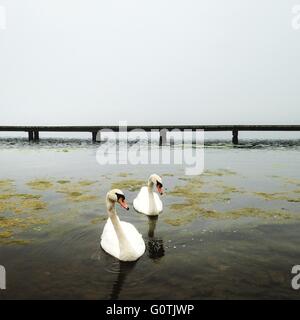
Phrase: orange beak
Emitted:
{"points": [[160, 190], [123, 204]]}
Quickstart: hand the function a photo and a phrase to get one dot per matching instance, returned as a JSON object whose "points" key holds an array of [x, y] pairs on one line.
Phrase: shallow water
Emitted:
{"points": [[233, 232]]}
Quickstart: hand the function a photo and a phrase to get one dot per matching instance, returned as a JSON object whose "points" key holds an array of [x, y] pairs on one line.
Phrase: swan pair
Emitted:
{"points": [[121, 239]]}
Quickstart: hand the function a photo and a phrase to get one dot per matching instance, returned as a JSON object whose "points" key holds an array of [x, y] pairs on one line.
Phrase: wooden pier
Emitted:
{"points": [[33, 131]]}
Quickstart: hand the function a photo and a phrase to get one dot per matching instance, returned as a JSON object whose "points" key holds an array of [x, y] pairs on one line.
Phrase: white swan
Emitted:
{"points": [[147, 201], [120, 239]]}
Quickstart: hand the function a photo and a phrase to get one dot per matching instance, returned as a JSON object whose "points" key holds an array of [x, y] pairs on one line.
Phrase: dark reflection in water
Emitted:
{"points": [[155, 246], [124, 269]]}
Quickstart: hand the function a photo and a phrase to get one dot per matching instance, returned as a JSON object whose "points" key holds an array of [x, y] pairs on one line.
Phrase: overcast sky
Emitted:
{"points": [[149, 62]]}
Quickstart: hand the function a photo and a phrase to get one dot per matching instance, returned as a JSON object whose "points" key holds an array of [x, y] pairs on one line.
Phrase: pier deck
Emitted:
{"points": [[33, 131]]}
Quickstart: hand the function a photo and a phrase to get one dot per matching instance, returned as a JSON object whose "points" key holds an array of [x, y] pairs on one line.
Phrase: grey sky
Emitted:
{"points": [[158, 61]]}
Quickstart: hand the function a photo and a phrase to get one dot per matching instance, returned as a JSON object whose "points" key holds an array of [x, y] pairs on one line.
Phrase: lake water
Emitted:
{"points": [[232, 232]]}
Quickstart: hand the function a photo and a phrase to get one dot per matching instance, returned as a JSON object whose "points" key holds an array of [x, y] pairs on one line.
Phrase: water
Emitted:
{"points": [[233, 232]]}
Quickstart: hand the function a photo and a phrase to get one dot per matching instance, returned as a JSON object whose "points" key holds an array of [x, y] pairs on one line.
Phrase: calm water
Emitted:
{"points": [[233, 232]]}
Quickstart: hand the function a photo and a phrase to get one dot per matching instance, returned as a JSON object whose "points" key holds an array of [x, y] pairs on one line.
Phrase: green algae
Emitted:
{"points": [[81, 198], [124, 174], [11, 223], [219, 172], [6, 234], [86, 183], [40, 184], [258, 213], [30, 204], [130, 185], [74, 194], [194, 194], [7, 196], [277, 196], [15, 242], [63, 181], [23, 205], [292, 181], [271, 196], [293, 200], [7, 183], [179, 221], [98, 219], [228, 215], [195, 199]]}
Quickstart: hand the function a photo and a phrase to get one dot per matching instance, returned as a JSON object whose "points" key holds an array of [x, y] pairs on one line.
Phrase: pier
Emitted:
{"points": [[33, 131]]}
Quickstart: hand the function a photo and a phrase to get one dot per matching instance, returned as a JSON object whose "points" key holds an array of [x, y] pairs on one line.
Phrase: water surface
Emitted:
{"points": [[233, 232]]}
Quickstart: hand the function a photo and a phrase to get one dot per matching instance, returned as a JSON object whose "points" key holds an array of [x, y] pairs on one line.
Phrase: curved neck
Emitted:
{"points": [[111, 209]]}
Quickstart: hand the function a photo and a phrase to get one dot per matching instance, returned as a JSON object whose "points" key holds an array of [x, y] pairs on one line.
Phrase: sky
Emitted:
{"points": [[95, 62]]}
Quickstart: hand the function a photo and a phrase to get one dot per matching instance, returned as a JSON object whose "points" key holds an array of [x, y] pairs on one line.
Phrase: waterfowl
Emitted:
{"points": [[148, 201], [119, 238]]}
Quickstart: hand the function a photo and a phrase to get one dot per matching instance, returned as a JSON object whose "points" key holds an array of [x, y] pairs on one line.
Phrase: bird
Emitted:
{"points": [[148, 201], [119, 238]]}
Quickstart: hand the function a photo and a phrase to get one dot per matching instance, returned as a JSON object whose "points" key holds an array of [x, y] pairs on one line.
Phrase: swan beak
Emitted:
{"points": [[160, 190], [123, 204]]}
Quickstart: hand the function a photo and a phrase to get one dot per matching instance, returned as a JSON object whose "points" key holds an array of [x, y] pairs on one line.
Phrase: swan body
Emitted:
{"points": [[148, 201], [120, 239]]}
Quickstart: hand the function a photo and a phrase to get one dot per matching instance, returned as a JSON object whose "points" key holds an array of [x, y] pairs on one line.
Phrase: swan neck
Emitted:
{"points": [[123, 242]]}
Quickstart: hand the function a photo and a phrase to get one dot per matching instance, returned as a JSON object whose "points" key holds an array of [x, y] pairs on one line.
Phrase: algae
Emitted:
{"points": [[124, 174], [15, 241], [5, 234], [30, 204], [85, 183], [130, 185], [7, 196], [40, 184], [63, 181], [6, 183], [277, 196], [98, 219], [231, 214], [12, 223], [219, 173], [75, 194]]}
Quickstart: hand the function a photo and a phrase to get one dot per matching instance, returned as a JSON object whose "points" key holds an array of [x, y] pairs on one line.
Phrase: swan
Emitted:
{"points": [[147, 201], [120, 239]]}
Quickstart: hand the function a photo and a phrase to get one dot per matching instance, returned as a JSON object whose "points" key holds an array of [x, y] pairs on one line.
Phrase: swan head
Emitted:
{"points": [[117, 195], [156, 180]]}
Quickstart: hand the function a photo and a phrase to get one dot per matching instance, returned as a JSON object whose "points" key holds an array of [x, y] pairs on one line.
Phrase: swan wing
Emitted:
{"points": [[141, 202], [134, 238], [109, 240], [158, 203]]}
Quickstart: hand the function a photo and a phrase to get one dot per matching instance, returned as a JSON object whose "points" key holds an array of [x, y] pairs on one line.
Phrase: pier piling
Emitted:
{"points": [[235, 136], [162, 137], [94, 136], [36, 135], [30, 135]]}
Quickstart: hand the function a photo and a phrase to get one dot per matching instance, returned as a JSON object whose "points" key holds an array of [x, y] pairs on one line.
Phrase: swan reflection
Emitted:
{"points": [[124, 269], [155, 246]]}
